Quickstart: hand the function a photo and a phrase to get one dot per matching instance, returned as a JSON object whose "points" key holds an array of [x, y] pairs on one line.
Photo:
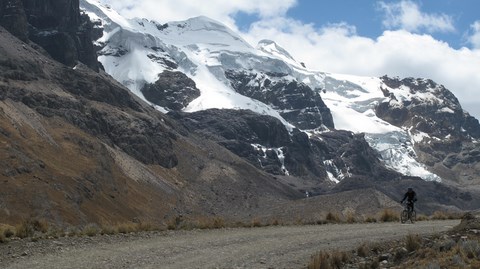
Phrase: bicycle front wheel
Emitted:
{"points": [[413, 216]]}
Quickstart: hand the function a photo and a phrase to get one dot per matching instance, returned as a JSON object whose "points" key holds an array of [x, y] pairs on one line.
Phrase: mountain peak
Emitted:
{"points": [[272, 48]]}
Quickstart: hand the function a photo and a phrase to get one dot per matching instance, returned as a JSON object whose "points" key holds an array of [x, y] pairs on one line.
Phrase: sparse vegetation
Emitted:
{"points": [[389, 215], [332, 217], [457, 249], [328, 260], [91, 230], [6, 232], [25, 229], [413, 242], [442, 215], [363, 250]]}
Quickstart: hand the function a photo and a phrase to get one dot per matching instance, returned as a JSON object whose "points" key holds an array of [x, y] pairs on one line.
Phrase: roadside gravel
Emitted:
{"points": [[267, 247]]}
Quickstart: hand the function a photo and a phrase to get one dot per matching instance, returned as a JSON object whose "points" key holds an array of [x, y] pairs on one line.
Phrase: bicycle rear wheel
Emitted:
{"points": [[404, 216]]}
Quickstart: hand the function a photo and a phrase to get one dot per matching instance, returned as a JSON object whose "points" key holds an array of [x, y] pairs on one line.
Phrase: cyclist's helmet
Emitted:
{"points": [[410, 189]]}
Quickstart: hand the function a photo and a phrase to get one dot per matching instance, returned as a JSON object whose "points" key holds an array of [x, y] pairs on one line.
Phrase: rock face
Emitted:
{"points": [[13, 18], [172, 90], [446, 133], [57, 26], [266, 143], [296, 102]]}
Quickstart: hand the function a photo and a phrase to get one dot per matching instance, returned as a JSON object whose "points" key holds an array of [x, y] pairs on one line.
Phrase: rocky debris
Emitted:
{"points": [[295, 101], [172, 90], [469, 222], [57, 26]]}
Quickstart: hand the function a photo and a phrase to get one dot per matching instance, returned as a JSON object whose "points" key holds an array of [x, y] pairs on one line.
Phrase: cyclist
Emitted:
{"points": [[411, 198]]}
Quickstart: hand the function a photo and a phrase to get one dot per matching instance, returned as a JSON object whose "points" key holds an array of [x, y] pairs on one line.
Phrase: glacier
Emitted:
{"points": [[134, 51]]}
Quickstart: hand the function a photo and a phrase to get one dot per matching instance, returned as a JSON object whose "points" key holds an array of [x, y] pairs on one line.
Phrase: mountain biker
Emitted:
{"points": [[411, 198]]}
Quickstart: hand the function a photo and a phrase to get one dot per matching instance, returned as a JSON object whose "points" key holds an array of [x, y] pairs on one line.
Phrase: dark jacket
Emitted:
{"points": [[410, 196]]}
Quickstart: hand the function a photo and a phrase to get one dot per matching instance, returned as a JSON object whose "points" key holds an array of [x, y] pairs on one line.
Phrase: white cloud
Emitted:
{"points": [[474, 39], [221, 10], [338, 49], [407, 15]]}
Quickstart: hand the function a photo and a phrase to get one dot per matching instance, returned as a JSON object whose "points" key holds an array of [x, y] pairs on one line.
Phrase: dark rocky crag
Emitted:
{"points": [[266, 143], [297, 102], [173, 90], [450, 149], [57, 26]]}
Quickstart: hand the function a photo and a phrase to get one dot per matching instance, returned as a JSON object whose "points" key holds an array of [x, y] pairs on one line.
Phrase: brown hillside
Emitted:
{"points": [[77, 147]]}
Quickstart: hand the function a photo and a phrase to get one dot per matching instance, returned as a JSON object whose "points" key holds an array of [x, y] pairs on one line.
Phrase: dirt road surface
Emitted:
{"points": [[268, 247]]}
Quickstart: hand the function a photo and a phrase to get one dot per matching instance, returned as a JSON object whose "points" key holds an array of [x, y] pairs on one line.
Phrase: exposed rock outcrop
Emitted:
{"points": [[172, 90], [265, 142], [296, 102], [445, 133], [57, 26]]}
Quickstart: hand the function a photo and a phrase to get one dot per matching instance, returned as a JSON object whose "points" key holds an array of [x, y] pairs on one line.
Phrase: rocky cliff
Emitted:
{"points": [[446, 136], [57, 26]]}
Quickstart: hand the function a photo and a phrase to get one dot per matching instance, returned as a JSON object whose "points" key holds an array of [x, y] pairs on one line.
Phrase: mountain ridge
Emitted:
{"points": [[78, 146], [269, 81]]}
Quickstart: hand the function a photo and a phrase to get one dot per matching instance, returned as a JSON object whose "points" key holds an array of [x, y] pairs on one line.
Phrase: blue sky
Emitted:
{"points": [[435, 39], [367, 16]]}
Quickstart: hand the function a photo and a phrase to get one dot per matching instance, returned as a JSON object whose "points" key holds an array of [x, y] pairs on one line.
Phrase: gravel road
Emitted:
{"points": [[268, 247]]}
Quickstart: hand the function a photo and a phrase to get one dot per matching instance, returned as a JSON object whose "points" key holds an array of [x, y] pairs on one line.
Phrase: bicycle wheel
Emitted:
{"points": [[413, 216], [404, 216]]}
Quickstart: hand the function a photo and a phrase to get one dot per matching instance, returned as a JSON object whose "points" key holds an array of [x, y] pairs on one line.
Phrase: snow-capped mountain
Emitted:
{"points": [[229, 73]]}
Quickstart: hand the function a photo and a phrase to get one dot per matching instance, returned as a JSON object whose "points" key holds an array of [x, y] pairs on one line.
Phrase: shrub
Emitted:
{"points": [[126, 228], [218, 223], [332, 218], [325, 260], [371, 219], [413, 242], [439, 215], [256, 223], [3, 238], [91, 230], [389, 215], [25, 229], [40, 225], [362, 250], [108, 229], [7, 231], [421, 217]]}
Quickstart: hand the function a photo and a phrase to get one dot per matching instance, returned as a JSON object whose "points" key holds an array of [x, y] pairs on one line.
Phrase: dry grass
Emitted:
{"points": [[91, 230], [363, 250], [25, 229], [442, 215], [328, 260], [332, 218], [370, 219], [6, 232], [413, 242], [389, 215]]}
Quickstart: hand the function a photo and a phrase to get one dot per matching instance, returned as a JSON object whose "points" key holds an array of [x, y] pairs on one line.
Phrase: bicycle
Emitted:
{"points": [[408, 213]]}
